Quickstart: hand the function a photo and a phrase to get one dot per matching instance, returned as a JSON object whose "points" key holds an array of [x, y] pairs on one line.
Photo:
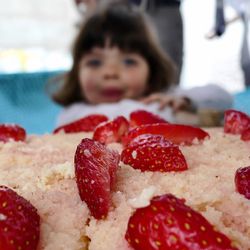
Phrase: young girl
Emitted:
{"points": [[166, 17], [118, 67]]}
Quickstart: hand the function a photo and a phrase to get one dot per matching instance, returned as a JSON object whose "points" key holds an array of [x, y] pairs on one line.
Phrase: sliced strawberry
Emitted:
{"points": [[153, 153], [111, 131], [245, 136], [242, 181], [19, 222], [95, 169], [168, 224], [12, 132], [176, 133], [235, 122], [85, 124], [141, 117]]}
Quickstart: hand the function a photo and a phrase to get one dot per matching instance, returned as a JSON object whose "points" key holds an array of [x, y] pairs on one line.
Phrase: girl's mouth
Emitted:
{"points": [[112, 93]]}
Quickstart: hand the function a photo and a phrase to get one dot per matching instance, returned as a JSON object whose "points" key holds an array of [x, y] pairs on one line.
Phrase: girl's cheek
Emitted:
{"points": [[90, 86], [139, 80], [86, 80], [90, 92]]}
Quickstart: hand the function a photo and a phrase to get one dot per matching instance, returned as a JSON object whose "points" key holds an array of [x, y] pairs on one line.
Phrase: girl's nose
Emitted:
{"points": [[111, 71]]}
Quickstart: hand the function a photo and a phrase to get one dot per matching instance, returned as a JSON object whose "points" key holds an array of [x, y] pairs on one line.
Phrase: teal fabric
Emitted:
{"points": [[23, 100], [242, 101]]}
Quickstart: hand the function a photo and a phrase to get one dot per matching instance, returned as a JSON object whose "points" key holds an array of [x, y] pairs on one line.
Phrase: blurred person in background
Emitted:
{"points": [[242, 8], [167, 19]]}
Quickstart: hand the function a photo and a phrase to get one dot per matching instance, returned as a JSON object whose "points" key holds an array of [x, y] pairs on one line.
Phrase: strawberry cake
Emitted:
{"points": [[137, 183]]}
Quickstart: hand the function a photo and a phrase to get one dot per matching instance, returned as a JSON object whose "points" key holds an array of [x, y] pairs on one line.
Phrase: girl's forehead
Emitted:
{"points": [[107, 44], [111, 42], [97, 49], [110, 49]]}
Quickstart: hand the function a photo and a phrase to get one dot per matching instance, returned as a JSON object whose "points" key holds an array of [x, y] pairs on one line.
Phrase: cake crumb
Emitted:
{"points": [[57, 172], [144, 199]]}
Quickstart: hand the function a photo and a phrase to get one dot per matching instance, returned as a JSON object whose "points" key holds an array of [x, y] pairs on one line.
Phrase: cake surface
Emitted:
{"points": [[41, 169]]}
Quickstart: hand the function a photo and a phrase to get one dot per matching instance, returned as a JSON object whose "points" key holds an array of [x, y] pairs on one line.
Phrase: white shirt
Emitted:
{"points": [[111, 110], [210, 96]]}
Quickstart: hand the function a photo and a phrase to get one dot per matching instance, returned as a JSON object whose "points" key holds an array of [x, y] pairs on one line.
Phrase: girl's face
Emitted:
{"points": [[110, 75]]}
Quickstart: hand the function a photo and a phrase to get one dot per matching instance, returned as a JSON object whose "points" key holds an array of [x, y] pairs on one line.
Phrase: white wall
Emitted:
{"points": [[31, 23], [210, 61]]}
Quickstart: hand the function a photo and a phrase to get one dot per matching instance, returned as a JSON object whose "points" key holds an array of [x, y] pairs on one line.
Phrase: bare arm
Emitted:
{"points": [[209, 96], [177, 103]]}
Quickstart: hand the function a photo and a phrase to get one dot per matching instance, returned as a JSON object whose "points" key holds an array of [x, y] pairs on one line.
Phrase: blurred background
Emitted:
{"points": [[35, 44]]}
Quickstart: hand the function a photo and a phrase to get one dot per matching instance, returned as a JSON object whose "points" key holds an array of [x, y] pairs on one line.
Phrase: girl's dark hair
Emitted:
{"points": [[127, 29]]}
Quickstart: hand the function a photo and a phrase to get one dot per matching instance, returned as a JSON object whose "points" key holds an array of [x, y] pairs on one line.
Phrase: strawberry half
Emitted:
{"points": [[245, 136], [95, 169], [111, 131], [153, 153], [10, 132], [85, 124], [242, 181], [235, 122], [176, 133], [142, 117], [19, 222], [168, 224]]}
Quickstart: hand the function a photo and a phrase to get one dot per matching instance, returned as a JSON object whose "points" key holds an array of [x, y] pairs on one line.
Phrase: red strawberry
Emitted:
{"points": [[168, 224], [95, 169], [178, 134], [85, 124], [235, 122], [141, 117], [245, 136], [111, 131], [153, 153], [11, 132], [19, 222], [242, 181]]}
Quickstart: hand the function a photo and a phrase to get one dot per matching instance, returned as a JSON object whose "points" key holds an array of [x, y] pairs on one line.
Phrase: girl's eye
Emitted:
{"points": [[129, 61], [93, 62]]}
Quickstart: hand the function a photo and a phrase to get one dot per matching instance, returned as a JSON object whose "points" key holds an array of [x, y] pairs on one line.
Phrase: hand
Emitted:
{"points": [[177, 103]]}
